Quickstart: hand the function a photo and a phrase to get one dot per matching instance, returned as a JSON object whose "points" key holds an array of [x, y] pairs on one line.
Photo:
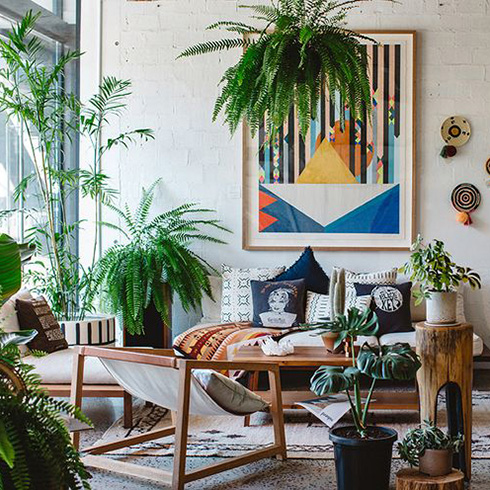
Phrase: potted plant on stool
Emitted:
{"points": [[362, 452], [429, 448], [439, 277]]}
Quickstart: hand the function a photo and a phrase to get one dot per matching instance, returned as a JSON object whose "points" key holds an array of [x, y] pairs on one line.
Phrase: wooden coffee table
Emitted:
{"points": [[311, 358]]}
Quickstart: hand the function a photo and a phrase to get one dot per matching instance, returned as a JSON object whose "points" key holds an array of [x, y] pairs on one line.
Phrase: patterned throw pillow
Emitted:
{"points": [[278, 304], [391, 303], [318, 306], [35, 314], [236, 301], [351, 278]]}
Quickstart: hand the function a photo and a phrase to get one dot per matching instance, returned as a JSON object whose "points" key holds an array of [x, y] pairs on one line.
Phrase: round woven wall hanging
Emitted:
{"points": [[487, 166], [465, 199], [456, 131]]}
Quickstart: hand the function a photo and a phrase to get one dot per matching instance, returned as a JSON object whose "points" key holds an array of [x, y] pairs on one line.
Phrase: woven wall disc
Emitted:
{"points": [[456, 131], [487, 166], [465, 198]]}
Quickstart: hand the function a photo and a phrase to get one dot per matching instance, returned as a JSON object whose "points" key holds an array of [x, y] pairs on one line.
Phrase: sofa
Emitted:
{"points": [[211, 315]]}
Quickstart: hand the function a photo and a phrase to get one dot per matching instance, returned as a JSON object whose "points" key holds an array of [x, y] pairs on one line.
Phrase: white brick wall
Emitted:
{"points": [[198, 160]]}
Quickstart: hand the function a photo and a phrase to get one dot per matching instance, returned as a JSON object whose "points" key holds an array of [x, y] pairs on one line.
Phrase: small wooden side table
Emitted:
{"points": [[446, 353], [410, 479]]}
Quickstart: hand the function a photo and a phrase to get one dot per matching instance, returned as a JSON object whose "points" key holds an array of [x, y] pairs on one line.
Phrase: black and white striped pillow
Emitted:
{"points": [[318, 306]]}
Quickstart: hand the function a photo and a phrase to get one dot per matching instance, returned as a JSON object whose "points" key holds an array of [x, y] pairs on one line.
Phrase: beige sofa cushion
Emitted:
{"points": [[211, 308], [56, 368]]}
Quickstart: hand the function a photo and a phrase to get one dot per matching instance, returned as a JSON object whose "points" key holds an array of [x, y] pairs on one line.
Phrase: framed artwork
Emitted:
{"points": [[347, 187]]}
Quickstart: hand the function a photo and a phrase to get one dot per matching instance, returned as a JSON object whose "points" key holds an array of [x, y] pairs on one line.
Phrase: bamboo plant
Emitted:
{"points": [[378, 362], [301, 47], [33, 95]]}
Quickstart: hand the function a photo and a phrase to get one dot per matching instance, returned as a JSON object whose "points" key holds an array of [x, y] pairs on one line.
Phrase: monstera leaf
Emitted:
{"points": [[333, 379], [390, 362], [10, 271]]}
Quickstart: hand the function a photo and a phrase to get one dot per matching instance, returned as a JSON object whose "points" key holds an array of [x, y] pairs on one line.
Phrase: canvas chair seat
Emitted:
{"points": [[160, 385]]}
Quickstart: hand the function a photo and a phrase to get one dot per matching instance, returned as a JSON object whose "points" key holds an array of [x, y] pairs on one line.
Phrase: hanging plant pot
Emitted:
{"points": [[363, 463]]}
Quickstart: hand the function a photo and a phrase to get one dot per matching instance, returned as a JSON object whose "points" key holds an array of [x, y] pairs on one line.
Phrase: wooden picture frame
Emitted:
{"points": [[263, 210]]}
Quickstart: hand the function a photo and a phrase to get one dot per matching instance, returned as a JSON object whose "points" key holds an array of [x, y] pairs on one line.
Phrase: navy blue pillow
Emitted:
{"points": [[391, 303], [307, 268]]}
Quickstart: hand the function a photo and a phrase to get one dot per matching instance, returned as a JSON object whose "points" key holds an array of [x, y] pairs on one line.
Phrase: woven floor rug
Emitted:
{"points": [[306, 436]]}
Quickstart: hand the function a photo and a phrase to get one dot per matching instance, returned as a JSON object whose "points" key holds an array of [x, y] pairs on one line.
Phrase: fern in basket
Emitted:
{"points": [[155, 262], [302, 47]]}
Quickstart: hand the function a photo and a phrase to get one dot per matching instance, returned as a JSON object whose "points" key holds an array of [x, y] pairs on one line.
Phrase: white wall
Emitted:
{"points": [[198, 160]]}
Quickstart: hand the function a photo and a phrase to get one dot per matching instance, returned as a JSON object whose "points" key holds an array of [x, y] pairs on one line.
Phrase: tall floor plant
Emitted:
{"points": [[32, 94]]}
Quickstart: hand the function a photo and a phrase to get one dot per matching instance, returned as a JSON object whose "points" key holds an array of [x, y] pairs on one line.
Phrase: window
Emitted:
{"points": [[58, 27]]}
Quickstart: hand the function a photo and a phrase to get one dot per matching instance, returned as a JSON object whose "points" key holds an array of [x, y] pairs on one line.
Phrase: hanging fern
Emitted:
{"points": [[157, 254], [303, 47]]}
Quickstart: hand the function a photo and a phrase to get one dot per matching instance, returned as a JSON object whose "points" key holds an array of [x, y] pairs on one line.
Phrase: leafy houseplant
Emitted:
{"points": [[32, 94], [361, 442], [155, 261], [302, 46], [35, 445], [439, 277], [429, 448]]}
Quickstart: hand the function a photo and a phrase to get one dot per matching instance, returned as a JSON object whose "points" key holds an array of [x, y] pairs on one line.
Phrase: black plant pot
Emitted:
{"points": [[156, 334], [363, 464]]}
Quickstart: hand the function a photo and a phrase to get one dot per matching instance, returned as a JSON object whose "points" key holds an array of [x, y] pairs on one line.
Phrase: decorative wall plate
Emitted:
{"points": [[487, 166], [465, 198], [456, 131]]}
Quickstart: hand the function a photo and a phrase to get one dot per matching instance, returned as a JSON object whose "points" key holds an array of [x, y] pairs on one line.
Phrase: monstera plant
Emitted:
{"points": [[301, 47], [376, 362]]}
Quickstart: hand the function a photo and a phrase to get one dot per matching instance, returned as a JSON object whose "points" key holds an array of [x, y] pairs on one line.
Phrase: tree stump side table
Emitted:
{"points": [[446, 354], [410, 479]]}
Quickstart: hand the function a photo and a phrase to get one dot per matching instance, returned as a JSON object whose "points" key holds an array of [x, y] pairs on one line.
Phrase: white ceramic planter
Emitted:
{"points": [[96, 329], [442, 308]]}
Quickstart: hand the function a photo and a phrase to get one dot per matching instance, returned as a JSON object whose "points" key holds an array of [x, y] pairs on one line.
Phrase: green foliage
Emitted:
{"points": [[387, 362], [35, 446], [426, 436], [33, 93], [10, 270], [302, 47], [433, 267], [157, 257]]}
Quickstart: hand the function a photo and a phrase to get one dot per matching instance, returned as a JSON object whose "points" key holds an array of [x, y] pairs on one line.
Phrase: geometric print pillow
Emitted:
{"points": [[380, 277], [236, 301], [318, 306]]}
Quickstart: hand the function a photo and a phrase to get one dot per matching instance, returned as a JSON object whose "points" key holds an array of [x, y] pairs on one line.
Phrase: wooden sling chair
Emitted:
{"points": [[161, 378]]}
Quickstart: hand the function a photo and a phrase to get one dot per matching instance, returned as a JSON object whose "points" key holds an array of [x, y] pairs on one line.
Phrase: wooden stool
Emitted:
{"points": [[410, 479], [447, 362]]}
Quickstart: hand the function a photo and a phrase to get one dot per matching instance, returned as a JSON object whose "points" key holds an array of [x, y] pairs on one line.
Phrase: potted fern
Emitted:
{"points": [[361, 442], [301, 47], [429, 448], [439, 278], [137, 277]]}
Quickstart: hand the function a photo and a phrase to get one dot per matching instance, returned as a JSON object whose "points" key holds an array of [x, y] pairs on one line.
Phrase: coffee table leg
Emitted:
{"points": [[253, 385]]}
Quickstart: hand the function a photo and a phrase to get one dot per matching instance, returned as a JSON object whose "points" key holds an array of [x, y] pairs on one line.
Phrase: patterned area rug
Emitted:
{"points": [[306, 436]]}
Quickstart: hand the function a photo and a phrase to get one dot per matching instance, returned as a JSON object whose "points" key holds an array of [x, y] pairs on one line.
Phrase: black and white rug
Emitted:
{"points": [[306, 436]]}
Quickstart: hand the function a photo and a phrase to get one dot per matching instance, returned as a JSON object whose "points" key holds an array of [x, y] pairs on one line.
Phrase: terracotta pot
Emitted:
{"points": [[436, 462], [441, 308], [329, 341]]}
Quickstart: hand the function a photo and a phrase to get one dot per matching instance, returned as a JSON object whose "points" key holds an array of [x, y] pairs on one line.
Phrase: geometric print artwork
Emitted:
{"points": [[343, 182], [236, 300]]}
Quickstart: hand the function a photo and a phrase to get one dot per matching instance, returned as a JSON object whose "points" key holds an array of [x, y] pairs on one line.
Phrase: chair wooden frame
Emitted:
{"points": [[165, 358]]}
